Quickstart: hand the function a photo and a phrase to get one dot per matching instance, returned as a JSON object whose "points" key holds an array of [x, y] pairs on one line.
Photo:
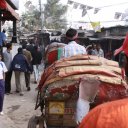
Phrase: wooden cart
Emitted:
{"points": [[62, 78], [55, 113]]}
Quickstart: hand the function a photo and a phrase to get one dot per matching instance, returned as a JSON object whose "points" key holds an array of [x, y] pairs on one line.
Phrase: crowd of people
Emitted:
{"points": [[28, 59], [83, 106], [23, 64], [96, 49], [71, 48]]}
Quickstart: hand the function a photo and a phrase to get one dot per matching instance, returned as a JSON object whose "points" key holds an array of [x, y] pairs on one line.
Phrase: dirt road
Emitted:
{"points": [[19, 109]]}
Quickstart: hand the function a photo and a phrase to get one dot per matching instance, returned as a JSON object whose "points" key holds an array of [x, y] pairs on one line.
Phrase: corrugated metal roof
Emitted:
{"points": [[109, 37], [95, 38], [114, 37], [30, 34]]}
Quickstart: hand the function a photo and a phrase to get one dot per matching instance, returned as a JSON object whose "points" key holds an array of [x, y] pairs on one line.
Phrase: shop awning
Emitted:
{"points": [[8, 12], [12, 11]]}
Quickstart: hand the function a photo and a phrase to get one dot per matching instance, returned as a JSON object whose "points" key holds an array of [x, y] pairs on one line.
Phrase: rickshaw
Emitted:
{"points": [[59, 88]]}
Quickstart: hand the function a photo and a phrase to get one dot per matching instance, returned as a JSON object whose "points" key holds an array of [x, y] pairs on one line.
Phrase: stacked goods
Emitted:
{"points": [[52, 52], [61, 81], [62, 78]]}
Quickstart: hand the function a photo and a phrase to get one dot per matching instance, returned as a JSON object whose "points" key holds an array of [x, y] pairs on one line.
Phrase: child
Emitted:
{"points": [[3, 69]]}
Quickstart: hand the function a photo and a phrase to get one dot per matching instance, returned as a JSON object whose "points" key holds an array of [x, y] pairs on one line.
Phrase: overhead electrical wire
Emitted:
{"points": [[113, 5], [94, 21], [106, 5], [101, 21]]}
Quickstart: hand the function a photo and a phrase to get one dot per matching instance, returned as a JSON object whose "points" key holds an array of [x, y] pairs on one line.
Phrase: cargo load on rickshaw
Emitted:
{"points": [[72, 86], [66, 80]]}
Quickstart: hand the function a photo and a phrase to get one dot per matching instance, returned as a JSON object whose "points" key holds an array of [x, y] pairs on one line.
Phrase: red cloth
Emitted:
{"points": [[52, 56], [108, 92], [117, 51], [124, 47], [2, 4]]}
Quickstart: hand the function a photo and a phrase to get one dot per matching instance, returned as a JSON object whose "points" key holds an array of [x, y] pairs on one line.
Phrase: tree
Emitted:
{"points": [[54, 15], [31, 20]]}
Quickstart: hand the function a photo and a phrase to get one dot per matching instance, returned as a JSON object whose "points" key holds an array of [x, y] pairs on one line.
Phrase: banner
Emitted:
{"points": [[70, 2], [96, 10], [89, 7], [96, 26], [82, 6], [84, 12], [117, 15], [75, 6]]}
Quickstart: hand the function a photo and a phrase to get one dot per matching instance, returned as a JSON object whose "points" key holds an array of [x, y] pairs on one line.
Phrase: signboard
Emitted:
{"points": [[16, 3], [56, 108]]}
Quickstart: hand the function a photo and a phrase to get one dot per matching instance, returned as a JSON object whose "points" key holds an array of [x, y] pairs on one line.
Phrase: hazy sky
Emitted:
{"points": [[105, 14]]}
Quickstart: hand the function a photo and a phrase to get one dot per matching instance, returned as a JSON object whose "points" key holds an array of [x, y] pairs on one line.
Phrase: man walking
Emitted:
{"points": [[19, 66], [36, 61], [7, 55], [28, 73]]}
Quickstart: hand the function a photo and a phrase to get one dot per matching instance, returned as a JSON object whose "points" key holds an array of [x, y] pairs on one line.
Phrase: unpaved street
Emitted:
{"points": [[19, 109]]}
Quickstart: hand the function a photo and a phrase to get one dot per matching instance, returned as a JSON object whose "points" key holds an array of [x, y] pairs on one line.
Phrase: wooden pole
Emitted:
{"points": [[14, 38]]}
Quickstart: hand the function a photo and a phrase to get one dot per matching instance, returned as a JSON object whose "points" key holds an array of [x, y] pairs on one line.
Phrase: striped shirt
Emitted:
{"points": [[73, 49]]}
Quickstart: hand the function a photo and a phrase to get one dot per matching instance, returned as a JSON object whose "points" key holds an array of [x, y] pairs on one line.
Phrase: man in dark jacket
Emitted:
{"points": [[19, 66], [36, 61]]}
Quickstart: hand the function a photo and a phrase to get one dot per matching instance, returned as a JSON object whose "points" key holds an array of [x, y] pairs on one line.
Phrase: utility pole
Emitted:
{"points": [[41, 8]]}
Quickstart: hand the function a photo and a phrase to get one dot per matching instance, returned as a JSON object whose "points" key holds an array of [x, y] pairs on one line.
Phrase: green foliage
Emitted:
{"points": [[31, 20], [54, 15]]}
